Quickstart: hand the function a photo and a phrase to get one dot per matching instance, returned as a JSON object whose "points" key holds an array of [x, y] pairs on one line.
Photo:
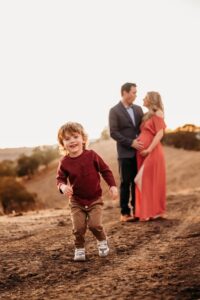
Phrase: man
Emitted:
{"points": [[124, 121]]}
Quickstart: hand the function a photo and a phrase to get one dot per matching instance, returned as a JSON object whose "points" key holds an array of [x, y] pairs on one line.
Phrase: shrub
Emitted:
{"points": [[14, 196], [182, 139], [7, 168], [44, 155], [26, 165]]}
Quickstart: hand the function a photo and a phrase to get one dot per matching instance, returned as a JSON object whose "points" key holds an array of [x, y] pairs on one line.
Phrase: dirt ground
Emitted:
{"points": [[151, 260]]}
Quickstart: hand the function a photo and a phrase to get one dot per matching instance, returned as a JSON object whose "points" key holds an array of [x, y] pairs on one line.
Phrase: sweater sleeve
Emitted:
{"points": [[104, 170], [61, 177]]}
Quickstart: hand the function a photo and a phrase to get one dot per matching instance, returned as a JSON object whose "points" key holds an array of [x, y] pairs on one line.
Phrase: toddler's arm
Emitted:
{"points": [[61, 178], [114, 192]]}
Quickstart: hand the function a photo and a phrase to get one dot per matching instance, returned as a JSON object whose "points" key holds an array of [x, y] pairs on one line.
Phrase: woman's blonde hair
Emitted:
{"points": [[70, 128], [155, 104]]}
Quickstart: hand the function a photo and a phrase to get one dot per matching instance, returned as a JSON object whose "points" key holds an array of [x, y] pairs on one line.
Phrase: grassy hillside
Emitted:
{"points": [[14, 153], [182, 173]]}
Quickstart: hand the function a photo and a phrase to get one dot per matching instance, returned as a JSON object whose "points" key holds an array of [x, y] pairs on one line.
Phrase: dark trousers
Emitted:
{"points": [[127, 171]]}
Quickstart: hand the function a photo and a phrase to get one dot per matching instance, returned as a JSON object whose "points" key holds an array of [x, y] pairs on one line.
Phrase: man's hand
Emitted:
{"points": [[114, 192], [137, 145], [67, 190]]}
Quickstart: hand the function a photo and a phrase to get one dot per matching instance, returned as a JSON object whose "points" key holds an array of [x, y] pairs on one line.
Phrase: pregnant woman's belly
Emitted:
{"points": [[146, 138]]}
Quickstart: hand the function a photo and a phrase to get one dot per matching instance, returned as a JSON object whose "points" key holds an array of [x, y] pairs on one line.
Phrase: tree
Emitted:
{"points": [[105, 134]]}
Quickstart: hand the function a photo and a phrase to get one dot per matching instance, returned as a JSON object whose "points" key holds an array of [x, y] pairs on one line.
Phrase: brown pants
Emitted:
{"points": [[83, 216]]}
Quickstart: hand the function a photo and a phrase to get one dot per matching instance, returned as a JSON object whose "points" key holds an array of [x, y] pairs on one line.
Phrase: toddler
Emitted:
{"points": [[78, 177]]}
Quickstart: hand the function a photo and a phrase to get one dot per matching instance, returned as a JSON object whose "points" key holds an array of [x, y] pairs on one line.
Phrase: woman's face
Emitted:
{"points": [[146, 101]]}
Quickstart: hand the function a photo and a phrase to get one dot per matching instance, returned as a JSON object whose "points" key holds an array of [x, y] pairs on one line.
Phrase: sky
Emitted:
{"points": [[66, 61]]}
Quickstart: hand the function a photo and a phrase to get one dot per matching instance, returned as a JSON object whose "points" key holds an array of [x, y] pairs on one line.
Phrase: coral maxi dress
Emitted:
{"points": [[150, 180]]}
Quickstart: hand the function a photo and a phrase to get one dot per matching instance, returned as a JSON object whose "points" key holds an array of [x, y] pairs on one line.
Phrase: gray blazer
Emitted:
{"points": [[122, 129]]}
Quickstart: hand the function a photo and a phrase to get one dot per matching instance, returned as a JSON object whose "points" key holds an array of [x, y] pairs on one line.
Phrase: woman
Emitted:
{"points": [[150, 179]]}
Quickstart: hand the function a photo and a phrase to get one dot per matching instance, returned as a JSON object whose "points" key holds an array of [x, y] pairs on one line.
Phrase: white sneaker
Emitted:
{"points": [[103, 248], [79, 254]]}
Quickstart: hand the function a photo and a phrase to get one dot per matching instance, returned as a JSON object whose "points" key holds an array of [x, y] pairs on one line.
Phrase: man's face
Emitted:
{"points": [[130, 96]]}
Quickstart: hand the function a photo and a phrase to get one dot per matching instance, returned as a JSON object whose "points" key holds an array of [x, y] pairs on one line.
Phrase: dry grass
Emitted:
{"points": [[182, 173]]}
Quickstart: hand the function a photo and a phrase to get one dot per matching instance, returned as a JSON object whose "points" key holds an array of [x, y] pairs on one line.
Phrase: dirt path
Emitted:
{"points": [[155, 260]]}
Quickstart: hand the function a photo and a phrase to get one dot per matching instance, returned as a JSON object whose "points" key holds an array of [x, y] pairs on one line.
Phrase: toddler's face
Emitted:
{"points": [[73, 143]]}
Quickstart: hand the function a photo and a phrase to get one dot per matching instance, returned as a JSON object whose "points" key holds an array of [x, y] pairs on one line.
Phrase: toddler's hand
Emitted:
{"points": [[114, 192], [67, 190]]}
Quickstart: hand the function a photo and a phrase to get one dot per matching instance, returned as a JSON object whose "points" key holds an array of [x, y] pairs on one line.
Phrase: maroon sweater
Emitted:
{"points": [[83, 173]]}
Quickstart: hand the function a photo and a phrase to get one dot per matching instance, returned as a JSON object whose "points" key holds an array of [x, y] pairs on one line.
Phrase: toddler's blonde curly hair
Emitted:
{"points": [[70, 128]]}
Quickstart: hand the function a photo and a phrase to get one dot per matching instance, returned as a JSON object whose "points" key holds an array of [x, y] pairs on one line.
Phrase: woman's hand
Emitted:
{"points": [[145, 152], [114, 192]]}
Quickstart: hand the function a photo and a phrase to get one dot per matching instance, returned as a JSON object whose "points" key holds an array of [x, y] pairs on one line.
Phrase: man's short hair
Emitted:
{"points": [[126, 87]]}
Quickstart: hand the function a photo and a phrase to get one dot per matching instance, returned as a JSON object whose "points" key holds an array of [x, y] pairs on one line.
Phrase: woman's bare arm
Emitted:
{"points": [[157, 138]]}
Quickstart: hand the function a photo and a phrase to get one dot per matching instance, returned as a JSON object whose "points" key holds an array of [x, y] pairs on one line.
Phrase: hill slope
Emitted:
{"points": [[182, 173], [14, 153]]}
